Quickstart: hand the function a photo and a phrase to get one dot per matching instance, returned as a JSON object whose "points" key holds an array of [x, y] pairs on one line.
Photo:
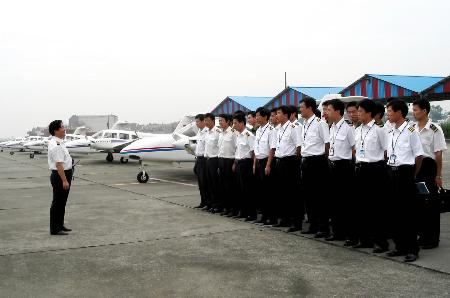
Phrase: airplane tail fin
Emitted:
{"points": [[186, 127]]}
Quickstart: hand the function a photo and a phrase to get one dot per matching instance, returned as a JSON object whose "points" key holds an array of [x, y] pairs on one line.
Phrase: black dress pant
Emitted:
{"points": [[340, 203], [403, 198], [315, 176], [290, 204], [264, 185], [430, 216], [200, 171], [227, 181], [212, 180], [245, 180], [370, 204], [60, 195]]}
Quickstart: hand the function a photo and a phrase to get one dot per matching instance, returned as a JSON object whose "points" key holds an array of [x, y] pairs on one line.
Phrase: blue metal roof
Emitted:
{"points": [[414, 83], [317, 92], [251, 102]]}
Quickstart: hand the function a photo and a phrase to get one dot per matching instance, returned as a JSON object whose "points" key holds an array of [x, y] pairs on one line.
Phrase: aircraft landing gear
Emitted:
{"points": [[109, 157], [11, 152], [142, 176], [31, 155], [123, 160]]}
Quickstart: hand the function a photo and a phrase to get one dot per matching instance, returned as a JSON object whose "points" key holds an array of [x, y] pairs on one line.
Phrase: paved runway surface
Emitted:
{"points": [[146, 240]]}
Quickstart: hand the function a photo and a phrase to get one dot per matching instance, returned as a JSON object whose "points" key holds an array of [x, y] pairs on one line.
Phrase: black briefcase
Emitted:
{"points": [[443, 198]]}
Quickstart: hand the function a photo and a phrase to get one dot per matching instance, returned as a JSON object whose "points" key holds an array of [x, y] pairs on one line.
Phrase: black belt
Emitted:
{"points": [[364, 164], [398, 168], [200, 157], [244, 160], [340, 162], [211, 157], [65, 171], [313, 157]]}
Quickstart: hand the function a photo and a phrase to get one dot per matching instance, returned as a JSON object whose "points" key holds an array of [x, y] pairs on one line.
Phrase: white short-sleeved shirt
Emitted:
{"points": [[227, 143], [315, 135], [212, 142], [403, 145], [245, 145], [57, 152], [370, 142], [263, 141], [200, 148], [432, 138], [342, 140], [286, 140]]}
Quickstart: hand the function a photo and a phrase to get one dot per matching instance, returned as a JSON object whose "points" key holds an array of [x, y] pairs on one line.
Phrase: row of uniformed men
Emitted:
{"points": [[356, 185]]}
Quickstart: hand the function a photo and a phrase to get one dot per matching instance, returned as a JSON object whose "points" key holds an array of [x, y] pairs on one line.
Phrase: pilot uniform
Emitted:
{"points": [[58, 153], [342, 141], [212, 166], [403, 146], [200, 166], [244, 169], [433, 140], [263, 142], [227, 150], [287, 175], [370, 196], [315, 170]]}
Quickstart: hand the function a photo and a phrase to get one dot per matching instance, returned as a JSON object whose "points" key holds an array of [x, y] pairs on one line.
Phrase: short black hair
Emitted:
{"points": [[310, 103], [317, 113], [200, 117], [337, 105], [326, 103], [423, 104], [399, 105], [238, 112], [380, 108], [253, 113], [294, 110], [210, 116], [285, 110], [263, 112], [239, 117], [227, 117], [54, 126], [369, 106], [273, 110], [352, 104]]}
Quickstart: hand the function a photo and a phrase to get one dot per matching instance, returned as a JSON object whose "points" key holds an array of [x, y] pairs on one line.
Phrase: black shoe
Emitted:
{"points": [[411, 258], [281, 224], [225, 212], [350, 243], [231, 214], [334, 238], [294, 229], [261, 221], [320, 235], [429, 246], [250, 218], [60, 233], [64, 229], [395, 253], [206, 208], [363, 245], [199, 206], [379, 250], [309, 232]]}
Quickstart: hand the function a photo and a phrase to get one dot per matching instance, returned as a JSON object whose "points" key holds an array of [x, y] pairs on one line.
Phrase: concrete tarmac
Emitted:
{"points": [[146, 240]]}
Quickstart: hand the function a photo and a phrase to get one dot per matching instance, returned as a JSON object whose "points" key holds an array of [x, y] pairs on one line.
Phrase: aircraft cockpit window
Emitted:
{"points": [[123, 136], [134, 137]]}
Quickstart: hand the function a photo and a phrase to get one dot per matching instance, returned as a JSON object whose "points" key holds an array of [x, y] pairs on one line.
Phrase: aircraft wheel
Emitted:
{"points": [[109, 157], [31, 155], [11, 153], [123, 160], [142, 177]]}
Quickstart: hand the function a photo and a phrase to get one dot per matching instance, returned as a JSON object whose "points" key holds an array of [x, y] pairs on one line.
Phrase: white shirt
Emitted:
{"points": [[227, 143], [342, 140], [432, 138], [212, 142], [57, 152], [370, 142], [314, 137], [286, 140], [245, 144], [200, 148], [403, 145], [263, 141]]}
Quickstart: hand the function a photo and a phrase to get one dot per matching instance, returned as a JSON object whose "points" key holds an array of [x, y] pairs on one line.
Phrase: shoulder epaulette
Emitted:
{"points": [[433, 127], [270, 127], [407, 119], [233, 130], [349, 122], [411, 129]]}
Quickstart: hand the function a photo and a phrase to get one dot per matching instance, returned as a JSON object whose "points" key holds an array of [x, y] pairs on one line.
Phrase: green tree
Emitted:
{"points": [[437, 113]]}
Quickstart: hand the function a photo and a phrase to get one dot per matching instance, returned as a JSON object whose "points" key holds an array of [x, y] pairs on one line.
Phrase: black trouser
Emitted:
{"points": [[264, 184], [405, 208], [315, 171], [341, 202], [212, 180], [370, 206], [430, 216], [290, 205], [227, 181], [245, 180], [200, 171], [60, 195]]}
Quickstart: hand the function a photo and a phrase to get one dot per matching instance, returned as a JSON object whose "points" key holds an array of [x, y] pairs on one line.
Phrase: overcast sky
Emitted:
{"points": [[155, 61]]}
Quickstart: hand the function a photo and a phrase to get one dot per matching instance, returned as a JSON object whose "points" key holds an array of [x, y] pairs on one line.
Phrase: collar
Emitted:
{"points": [[339, 122], [286, 124], [310, 119], [227, 130], [205, 129], [244, 131], [58, 140], [370, 124], [263, 127], [427, 126], [402, 127]]}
